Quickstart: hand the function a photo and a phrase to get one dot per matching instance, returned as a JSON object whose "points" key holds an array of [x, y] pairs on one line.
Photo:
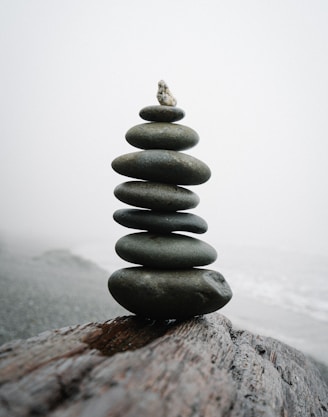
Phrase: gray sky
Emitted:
{"points": [[252, 77]]}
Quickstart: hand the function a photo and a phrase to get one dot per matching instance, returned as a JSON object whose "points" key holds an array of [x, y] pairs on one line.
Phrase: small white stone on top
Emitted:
{"points": [[164, 95]]}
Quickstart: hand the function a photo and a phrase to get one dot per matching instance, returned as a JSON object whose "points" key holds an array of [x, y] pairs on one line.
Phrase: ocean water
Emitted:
{"points": [[293, 281], [277, 293]]}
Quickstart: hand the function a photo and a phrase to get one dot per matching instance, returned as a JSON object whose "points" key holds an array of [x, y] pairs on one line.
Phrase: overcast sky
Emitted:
{"points": [[252, 77]]}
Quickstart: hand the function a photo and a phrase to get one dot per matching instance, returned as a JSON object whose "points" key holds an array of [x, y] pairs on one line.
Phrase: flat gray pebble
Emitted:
{"points": [[166, 251], [156, 196], [160, 222], [162, 136], [162, 294], [161, 113], [162, 166]]}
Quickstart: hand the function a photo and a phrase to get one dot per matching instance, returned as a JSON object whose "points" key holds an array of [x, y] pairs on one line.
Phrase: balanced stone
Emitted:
{"points": [[160, 222], [161, 114], [156, 196], [162, 166], [162, 294], [165, 251], [162, 136], [164, 283]]}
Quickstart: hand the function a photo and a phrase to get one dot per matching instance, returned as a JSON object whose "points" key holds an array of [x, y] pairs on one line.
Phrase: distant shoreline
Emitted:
{"points": [[42, 291]]}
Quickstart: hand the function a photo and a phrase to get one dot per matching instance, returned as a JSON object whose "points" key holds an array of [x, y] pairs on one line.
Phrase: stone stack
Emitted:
{"points": [[166, 285]]}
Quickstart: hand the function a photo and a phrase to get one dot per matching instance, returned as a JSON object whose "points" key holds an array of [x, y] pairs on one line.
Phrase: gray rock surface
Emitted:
{"points": [[162, 166], [161, 113], [133, 367], [167, 251], [156, 196], [169, 294], [160, 222], [171, 136]]}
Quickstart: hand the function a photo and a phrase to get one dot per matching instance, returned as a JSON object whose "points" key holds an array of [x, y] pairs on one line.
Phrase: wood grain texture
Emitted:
{"points": [[132, 367]]}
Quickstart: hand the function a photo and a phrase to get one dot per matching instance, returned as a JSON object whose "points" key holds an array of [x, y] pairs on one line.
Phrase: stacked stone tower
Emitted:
{"points": [[168, 284]]}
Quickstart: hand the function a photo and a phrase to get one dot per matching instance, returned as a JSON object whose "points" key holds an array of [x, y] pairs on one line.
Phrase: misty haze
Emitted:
{"points": [[252, 79]]}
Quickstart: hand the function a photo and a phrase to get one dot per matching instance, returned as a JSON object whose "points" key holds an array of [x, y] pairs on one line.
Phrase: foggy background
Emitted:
{"points": [[250, 75]]}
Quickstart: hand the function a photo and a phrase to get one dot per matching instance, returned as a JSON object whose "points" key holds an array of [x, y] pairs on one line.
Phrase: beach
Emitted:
{"points": [[44, 291], [44, 288]]}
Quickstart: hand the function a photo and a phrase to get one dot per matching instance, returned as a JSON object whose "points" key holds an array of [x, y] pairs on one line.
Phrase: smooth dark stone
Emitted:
{"points": [[161, 294], [156, 196], [160, 222], [162, 166], [166, 251], [161, 114], [162, 136]]}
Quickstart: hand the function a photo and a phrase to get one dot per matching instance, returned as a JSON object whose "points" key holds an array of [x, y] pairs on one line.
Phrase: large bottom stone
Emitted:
{"points": [[161, 294], [166, 251]]}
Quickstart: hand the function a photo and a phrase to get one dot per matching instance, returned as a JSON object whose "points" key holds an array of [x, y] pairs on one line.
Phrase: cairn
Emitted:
{"points": [[168, 283]]}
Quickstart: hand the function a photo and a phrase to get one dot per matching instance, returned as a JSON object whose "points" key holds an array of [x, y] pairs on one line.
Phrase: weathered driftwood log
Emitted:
{"points": [[133, 367]]}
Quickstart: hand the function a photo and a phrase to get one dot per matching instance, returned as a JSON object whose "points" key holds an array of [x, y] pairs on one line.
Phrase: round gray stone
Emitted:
{"points": [[162, 166], [162, 136], [166, 251], [161, 113], [158, 294], [160, 222], [156, 196]]}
